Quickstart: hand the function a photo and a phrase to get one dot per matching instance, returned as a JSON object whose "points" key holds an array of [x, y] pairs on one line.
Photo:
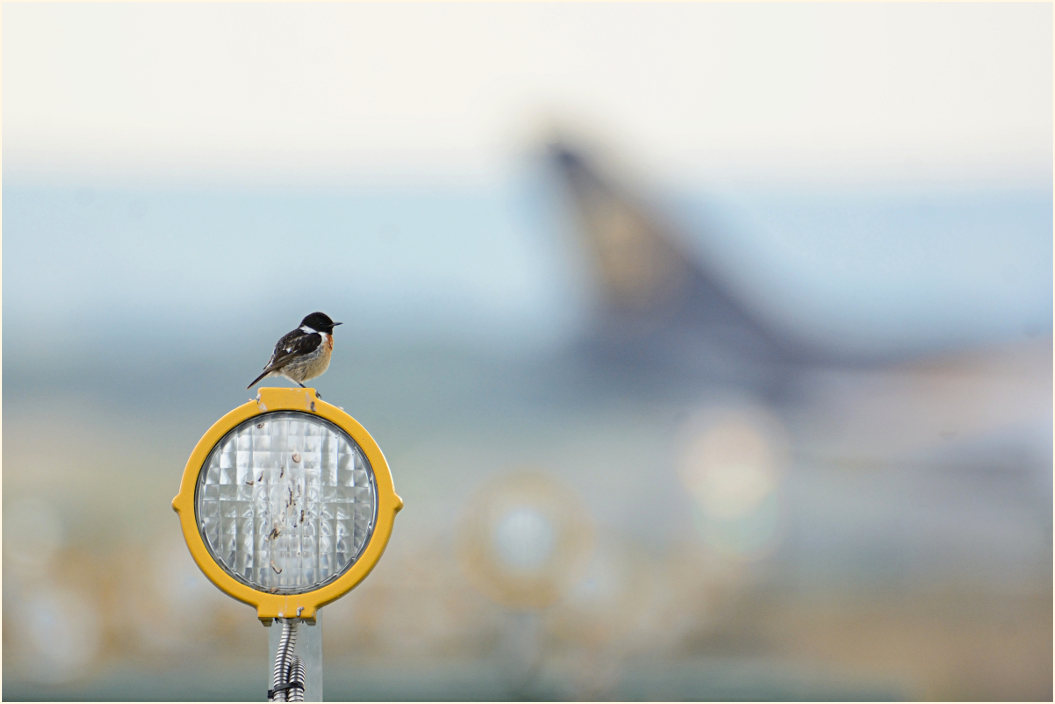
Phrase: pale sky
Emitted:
{"points": [[309, 92]]}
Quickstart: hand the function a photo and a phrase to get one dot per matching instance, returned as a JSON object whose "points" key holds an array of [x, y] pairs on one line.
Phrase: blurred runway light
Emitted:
{"points": [[524, 539], [177, 580], [58, 634], [602, 606], [607, 615], [156, 591], [33, 533], [417, 605], [730, 461]]}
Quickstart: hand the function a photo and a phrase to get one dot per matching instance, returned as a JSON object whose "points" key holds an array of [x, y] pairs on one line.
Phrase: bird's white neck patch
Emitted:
{"points": [[307, 330]]}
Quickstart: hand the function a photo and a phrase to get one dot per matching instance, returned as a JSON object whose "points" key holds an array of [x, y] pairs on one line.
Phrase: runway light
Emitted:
{"points": [[60, 629], [730, 463], [286, 503], [525, 540]]}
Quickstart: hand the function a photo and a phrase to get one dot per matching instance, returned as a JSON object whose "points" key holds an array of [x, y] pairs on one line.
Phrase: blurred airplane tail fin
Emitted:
{"points": [[649, 284], [637, 264]]}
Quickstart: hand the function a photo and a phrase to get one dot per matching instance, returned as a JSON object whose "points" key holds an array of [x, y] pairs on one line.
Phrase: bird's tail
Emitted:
{"points": [[262, 375]]}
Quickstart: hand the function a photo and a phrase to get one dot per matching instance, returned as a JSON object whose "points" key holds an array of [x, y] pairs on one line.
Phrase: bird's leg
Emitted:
{"points": [[317, 394]]}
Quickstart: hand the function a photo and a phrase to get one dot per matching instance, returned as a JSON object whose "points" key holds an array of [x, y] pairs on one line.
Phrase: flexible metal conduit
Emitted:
{"points": [[287, 683]]}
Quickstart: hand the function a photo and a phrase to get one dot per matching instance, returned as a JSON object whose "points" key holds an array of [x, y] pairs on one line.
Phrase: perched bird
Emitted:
{"points": [[303, 353]]}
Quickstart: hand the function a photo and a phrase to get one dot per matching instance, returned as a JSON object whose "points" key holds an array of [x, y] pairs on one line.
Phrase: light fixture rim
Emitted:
{"points": [[305, 604]]}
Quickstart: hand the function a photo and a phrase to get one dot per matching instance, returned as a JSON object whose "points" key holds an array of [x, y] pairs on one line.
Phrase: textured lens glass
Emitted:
{"points": [[286, 502]]}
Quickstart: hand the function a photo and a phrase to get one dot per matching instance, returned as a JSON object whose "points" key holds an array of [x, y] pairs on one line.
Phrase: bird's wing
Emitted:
{"points": [[292, 345]]}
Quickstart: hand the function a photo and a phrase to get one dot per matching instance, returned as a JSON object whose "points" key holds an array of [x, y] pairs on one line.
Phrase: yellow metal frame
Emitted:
{"points": [[270, 606]]}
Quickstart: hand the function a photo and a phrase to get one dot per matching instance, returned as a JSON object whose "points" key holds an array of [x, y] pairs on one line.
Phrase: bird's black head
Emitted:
{"points": [[320, 322]]}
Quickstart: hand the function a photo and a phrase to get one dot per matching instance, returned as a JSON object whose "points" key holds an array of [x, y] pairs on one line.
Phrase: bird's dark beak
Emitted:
{"points": [[336, 324]]}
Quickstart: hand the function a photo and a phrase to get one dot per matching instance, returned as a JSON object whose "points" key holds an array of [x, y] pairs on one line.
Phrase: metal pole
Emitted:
{"points": [[306, 645]]}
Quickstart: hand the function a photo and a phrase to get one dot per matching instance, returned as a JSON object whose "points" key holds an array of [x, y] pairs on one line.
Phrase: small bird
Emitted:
{"points": [[303, 353]]}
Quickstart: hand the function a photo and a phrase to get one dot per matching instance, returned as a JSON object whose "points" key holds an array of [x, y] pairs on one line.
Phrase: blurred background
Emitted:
{"points": [[710, 345]]}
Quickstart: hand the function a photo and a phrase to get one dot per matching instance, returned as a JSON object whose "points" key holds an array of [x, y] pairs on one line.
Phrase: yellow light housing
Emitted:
{"points": [[286, 503]]}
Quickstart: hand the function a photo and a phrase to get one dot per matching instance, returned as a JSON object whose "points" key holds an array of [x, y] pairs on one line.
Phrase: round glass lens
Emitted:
{"points": [[286, 502]]}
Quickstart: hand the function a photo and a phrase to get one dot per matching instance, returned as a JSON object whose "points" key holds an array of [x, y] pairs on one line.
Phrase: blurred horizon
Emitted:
{"points": [[778, 246]]}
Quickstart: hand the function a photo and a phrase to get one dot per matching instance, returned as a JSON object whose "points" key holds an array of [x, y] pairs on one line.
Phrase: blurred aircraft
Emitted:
{"points": [[671, 326]]}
